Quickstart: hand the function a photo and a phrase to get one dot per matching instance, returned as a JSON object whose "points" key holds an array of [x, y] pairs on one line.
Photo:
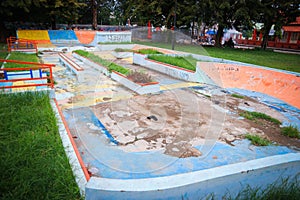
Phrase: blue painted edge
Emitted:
{"points": [[97, 123]]}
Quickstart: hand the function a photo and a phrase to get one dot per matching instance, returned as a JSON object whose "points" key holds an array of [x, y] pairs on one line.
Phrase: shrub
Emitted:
{"points": [[290, 131], [257, 140], [139, 77]]}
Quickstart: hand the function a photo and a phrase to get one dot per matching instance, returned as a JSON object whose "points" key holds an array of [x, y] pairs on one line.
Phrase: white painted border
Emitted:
{"points": [[75, 165], [186, 75], [199, 184]]}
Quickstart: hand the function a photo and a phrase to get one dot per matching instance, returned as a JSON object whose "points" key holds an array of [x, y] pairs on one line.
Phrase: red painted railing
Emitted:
{"points": [[28, 71], [14, 44]]}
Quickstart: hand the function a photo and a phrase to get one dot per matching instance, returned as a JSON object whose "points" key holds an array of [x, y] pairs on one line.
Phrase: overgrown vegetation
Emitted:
{"points": [[33, 161], [238, 96], [266, 58], [21, 57], [257, 115], [187, 62], [291, 131], [109, 65], [139, 77], [257, 140], [281, 189]]}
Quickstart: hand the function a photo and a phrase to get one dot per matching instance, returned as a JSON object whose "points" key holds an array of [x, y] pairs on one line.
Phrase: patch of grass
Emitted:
{"points": [[259, 57], [238, 96], [291, 131], [257, 115], [257, 140], [281, 189], [33, 161], [148, 51], [187, 62], [21, 57], [109, 65], [118, 68]]}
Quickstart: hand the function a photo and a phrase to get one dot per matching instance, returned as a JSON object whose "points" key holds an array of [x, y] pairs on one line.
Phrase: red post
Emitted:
{"points": [[149, 30]]}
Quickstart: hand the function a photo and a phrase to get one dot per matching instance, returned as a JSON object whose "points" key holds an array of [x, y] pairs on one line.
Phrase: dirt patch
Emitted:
{"points": [[178, 121]]}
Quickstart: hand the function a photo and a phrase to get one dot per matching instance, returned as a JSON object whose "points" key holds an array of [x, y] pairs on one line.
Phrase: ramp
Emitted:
{"points": [[278, 84]]}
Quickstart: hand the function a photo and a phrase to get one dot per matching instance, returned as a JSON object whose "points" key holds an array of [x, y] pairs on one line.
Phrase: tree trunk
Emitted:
{"points": [[53, 23], [264, 43], [94, 11], [219, 36]]}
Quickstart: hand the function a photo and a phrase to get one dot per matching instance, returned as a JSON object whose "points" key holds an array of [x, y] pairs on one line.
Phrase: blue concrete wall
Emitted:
{"points": [[219, 181], [62, 35]]}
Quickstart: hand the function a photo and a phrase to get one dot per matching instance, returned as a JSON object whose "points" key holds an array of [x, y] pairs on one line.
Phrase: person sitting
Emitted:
{"points": [[229, 43]]}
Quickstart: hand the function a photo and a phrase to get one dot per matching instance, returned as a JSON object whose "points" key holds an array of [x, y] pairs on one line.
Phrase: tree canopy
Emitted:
{"points": [[240, 14]]}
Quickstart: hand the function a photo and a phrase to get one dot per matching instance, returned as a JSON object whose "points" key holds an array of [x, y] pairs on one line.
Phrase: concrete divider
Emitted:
{"points": [[146, 88], [173, 71], [228, 179], [282, 85], [103, 70], [71, 65]]}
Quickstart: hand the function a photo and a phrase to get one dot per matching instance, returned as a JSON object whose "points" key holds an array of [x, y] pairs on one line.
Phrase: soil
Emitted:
{"points": [[176, 121]]}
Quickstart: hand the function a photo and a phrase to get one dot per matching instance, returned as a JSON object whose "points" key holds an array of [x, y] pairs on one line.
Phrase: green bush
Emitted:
{"points": [[290, 131], [257, 115], [257, 140]]}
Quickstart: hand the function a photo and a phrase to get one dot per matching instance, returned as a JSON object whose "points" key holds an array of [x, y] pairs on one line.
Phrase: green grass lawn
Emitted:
{"points": [[21, 57], [33, 161], [179, 61], [268, 58]]}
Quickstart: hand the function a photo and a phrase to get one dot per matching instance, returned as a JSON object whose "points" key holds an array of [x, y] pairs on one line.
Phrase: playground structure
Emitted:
{"points": [[23, 45], [133, 179], [36, 76]]}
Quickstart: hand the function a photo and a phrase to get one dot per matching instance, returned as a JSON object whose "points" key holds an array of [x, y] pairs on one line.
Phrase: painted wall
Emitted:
{"points": [[278, 84], [200, 184], [113, 37], [74, 36]]}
